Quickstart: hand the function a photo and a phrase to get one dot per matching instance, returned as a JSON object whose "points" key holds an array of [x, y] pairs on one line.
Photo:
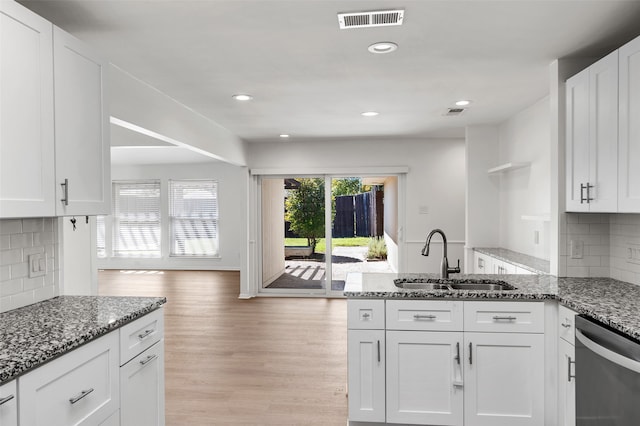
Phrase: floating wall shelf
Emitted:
{"points": [[507, 167]]}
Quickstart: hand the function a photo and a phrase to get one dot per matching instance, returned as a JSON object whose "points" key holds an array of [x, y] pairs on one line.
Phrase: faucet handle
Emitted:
{"points": [[455, 270]]}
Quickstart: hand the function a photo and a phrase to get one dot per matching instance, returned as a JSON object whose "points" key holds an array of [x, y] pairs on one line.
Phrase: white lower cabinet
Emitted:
{"points": [[142, 388], [424, 377], [80, 388], [451, 363], [9, 404], [504, 379]]}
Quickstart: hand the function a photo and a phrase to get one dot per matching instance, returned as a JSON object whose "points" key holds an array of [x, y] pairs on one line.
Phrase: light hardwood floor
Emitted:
{"points": [[264, 361]]}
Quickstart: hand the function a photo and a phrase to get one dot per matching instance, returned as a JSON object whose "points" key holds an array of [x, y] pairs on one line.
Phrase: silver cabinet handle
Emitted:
{"points": [[588, 198], [366, 315], [6, 399], [148, 359], [424, 317], [470, 353], [569, 375], [457, 357], [81, 395], [65, 192], [565, 325], [582, 188], [146, 334], [509, 318], [378, 351]]}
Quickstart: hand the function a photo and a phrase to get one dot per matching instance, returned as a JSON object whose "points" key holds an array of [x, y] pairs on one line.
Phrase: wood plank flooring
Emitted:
{"points": [[264, 361]]}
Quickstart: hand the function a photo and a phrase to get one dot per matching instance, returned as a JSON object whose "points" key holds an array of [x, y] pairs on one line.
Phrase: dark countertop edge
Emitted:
{"points": [[489, 252], [65, 347]]}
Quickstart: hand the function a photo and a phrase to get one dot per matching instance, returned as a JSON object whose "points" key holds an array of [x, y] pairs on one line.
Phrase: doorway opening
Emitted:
{"points": [[317, 229]]}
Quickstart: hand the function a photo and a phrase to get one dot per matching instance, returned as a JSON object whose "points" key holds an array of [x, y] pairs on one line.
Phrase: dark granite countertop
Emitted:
{"points": [[524, 261], [612, 302], [35, 334]]}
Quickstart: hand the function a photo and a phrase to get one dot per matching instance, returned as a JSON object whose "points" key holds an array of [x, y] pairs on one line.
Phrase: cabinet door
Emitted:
{"points": [[629, 128], [577, 140], [424, 378], [603, 134], [26, 113], [366, 366], [8, 404], [504, 379], [567, 384], [142, 388], [81, 129]]}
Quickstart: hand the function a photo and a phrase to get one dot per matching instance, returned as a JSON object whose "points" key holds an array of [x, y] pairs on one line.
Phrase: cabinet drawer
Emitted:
{"points": [[141, 334], [432, 315], [566, 324], [9, 404], [521, 317], [365, 314], [79, 388]]}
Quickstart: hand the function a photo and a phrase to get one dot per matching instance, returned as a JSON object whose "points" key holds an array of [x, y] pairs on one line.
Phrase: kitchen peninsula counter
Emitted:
{"points": [[33, 335], [612, 302]]}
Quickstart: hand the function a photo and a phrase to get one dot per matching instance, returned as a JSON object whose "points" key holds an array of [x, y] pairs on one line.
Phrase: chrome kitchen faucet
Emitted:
{"points": [[444, 264]]}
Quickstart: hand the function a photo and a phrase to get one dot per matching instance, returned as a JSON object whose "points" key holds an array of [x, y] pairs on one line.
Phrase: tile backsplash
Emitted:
{"points": [[18, 239], [601, 245]]}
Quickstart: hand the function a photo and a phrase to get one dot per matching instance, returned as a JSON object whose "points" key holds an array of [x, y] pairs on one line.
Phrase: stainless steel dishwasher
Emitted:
{"points": [[607, 373]]}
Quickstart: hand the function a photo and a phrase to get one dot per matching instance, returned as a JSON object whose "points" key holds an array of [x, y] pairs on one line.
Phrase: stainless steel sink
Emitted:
{"points": [[451, 284]]}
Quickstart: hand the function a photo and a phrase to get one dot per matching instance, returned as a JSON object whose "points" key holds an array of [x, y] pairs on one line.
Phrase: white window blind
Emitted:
{"points": [[193, 213], [100, 243], [136, 219]]}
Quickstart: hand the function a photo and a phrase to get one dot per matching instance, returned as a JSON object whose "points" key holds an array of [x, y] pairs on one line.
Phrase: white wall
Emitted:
{"points": [[232, 190], [272, 197], [18, 239], [435, 181], [526, 191]]}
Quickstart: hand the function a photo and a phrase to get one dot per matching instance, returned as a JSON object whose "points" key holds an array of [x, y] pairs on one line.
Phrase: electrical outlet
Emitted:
{"points": [[577, 249], [633, 253], [37, 265]]}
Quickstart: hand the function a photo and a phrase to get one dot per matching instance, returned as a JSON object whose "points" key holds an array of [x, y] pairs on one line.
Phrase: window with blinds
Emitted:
{"points": [[136, 219], [193, 216], [101, 239]]}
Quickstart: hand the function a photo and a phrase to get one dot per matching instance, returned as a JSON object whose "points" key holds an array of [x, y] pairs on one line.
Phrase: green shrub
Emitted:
{"points": [[377, 248]]}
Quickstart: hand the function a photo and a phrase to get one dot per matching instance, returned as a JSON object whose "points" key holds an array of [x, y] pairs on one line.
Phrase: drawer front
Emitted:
{"points": [[365, 314], [431, 315], [9, 404], [508, 317], [79, 388], [141, 334], [566, 324]]}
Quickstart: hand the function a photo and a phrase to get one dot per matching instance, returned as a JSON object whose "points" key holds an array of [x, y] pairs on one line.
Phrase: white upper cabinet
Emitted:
{"points": [[81, 129], [53, 122], [592, 137], [26, 113], [629, 128]]}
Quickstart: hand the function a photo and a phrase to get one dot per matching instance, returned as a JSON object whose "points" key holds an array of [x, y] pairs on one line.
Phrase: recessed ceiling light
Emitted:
{"points": [[370, 113], [242, 97], [383, 47], [284, 136], [463, 103]]}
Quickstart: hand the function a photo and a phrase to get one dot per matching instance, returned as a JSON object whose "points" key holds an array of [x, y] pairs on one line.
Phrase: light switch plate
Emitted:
{"points": [[577, 249], [37, 265]]}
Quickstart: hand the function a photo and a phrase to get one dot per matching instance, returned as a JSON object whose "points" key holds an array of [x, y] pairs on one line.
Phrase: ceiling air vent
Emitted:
{"points": [[370, 19], [454, 111]]}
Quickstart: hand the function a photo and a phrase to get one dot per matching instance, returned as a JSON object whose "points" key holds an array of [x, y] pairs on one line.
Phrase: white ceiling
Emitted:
{"points": [[312, 80]]}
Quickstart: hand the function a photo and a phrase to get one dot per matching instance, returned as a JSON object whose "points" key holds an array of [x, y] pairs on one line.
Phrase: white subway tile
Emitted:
{"points": [[19, 270], [572, 218], [5, 304], [24, 240], [44, 293], [32, 250], [9, 257], [599, 271], [577, 228], [5, 242], [33, 283], [605, 261], [10, 226], [594, 218], [577, 271], [11, 287], [598, 250], [23, 299], [49, 279], [43, 238], [599, 229], [5, 273], [33, 225]]}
